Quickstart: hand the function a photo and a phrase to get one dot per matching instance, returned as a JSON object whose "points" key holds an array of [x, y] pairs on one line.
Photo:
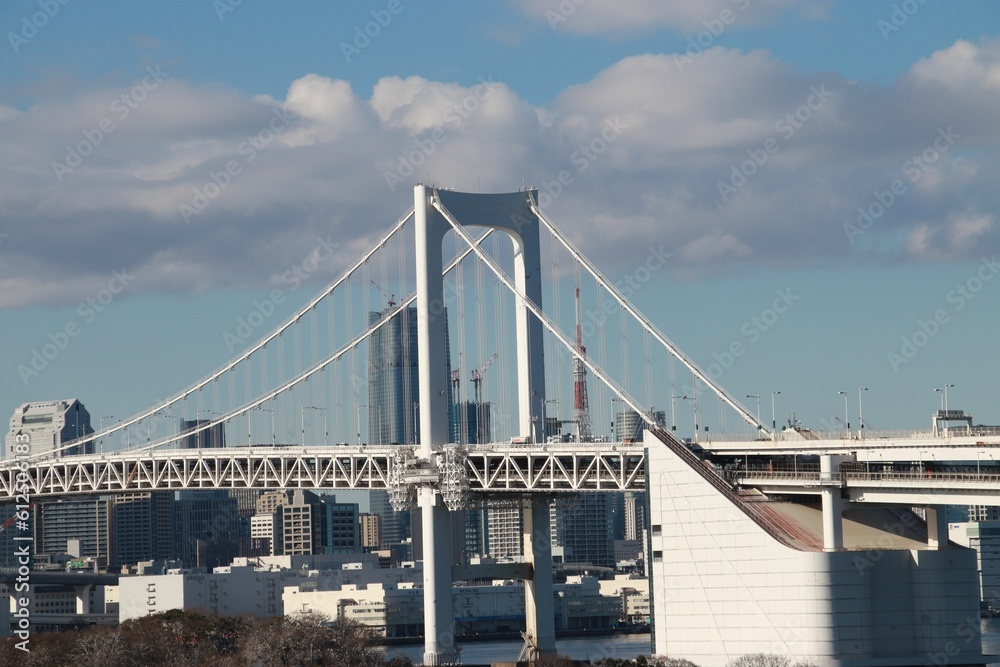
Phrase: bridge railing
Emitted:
{"points": [[750, 477]]}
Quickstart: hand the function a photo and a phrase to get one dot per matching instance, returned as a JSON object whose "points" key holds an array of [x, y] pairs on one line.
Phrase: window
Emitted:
{"points": [[657, 556], [657, 530]]}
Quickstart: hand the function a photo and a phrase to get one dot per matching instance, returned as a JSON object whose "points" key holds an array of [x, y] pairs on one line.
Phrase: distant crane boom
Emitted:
{"points": [[390, 298], [477, 376]]}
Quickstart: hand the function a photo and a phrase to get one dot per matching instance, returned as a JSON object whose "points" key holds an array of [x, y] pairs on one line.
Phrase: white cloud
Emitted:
{"points": [[628, 16], [643, 146]]}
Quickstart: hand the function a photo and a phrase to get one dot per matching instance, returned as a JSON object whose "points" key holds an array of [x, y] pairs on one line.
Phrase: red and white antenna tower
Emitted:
{"points": [[581, 406]]}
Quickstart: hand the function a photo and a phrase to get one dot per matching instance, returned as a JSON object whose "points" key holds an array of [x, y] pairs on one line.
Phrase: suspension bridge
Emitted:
{"points": [[465, 295]]}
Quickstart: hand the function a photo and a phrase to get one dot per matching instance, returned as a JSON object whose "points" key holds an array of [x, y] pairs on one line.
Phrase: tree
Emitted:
{"points": [[554, 660], [760, 660]]}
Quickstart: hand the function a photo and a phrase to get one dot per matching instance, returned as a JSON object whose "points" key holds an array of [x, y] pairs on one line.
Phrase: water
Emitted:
{"points": [[615, 646], [578, 648]]}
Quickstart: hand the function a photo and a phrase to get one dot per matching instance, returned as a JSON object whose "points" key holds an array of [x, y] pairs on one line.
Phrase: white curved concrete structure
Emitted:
{"points": [[733, 575]]}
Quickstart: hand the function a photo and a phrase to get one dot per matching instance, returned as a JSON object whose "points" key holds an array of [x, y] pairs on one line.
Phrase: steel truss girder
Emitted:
{"points": [[489, 469]]}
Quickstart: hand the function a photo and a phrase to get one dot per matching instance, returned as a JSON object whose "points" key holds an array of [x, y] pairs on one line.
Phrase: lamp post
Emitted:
{"points": [[545, 416], [360, 405], [614, 416], [756, 397], [861, 413], [944, 404], [101, 441], [415, 436], [847, 417], [694, 401], [774, 423], [271, 410], [302, 414]]}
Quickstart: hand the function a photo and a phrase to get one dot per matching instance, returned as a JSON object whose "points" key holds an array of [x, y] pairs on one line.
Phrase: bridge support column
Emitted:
{"points": [[937, 528], [539, 607], [439, 631], [429, 229], [83, 598], [833, 504]]}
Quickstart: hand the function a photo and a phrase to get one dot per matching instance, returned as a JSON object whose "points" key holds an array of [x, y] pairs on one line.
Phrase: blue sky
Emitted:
{"points": [[874, 84]]}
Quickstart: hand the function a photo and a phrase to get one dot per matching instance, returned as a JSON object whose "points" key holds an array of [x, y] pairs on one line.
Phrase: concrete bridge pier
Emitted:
{"points": [[539, 610], [833, 501], [937, 528]]}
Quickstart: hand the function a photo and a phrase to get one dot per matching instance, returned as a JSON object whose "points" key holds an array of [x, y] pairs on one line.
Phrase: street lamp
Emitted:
{"points": [[847, 417], [614, 416], [359, 422], [101, 441], [944, 405], [944, 396], [694, 401], [302, 414], [861, 414], [774, 423], [416, 436], [756, 397], [273, 442], [545, 416]]}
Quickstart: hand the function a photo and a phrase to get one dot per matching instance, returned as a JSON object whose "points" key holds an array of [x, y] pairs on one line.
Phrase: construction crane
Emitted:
{"points": [[477, 377], [390, 298], [477, 380], [456, 379], [9, 522]]}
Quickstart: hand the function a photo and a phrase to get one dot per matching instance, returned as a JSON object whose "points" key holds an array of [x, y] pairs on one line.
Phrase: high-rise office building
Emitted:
{"points": [[471, 424], [635, 514], [143, 526], [49, 424], [504, 531], [89, 520], [580, 524], [371, 530], [209, 529], [393, 399], [629, 425], [212, 437], [302, 523]]}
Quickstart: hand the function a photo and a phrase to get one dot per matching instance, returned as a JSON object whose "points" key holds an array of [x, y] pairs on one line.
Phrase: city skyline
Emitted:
{"points": [[824, 211]]}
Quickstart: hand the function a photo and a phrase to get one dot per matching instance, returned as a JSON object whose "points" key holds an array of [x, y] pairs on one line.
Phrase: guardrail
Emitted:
{"points": [[745, 476]]}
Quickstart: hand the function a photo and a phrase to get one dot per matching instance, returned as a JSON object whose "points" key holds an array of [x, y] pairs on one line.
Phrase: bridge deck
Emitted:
{"points": [[499, 468]]}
